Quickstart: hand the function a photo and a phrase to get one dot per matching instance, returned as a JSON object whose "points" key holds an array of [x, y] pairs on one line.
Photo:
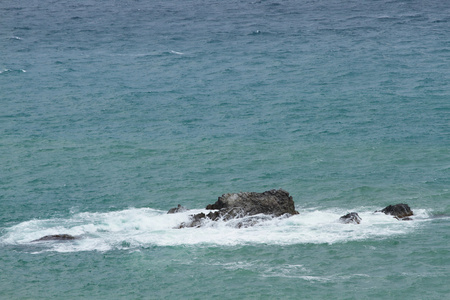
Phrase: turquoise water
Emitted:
{"points": [[112, 112]]}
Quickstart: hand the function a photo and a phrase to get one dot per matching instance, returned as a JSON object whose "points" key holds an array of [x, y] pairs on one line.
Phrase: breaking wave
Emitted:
{"points": [[136, 228]]}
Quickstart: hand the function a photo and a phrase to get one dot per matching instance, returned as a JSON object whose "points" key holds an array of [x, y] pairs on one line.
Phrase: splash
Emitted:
{"points": [[136, 228]]}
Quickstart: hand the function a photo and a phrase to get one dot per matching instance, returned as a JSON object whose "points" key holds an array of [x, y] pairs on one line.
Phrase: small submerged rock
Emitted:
{"points": [[177, 209], [350, 218], [57, 237]]}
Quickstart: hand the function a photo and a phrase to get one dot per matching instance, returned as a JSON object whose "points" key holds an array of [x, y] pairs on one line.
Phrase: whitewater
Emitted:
{"points": [[145, 227]]}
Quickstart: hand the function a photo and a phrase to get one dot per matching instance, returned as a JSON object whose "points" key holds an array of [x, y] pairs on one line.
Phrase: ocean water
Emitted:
{"points": [[113, 112]]}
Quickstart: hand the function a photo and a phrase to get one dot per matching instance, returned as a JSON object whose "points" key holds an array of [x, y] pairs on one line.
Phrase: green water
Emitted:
{"points": [[112, 112]]}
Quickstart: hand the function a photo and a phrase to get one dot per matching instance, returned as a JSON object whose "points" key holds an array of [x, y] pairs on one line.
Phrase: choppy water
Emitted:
{"points": [[112, 112]]}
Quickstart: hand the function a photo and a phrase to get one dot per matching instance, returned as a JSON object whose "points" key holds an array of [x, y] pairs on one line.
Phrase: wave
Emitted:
{"points": [[6, 71], [176, 52], [136, 228]]}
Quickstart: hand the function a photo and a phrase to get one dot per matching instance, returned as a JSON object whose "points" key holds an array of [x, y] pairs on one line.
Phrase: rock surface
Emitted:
{"points": [[238, 205], [350, 218], [56, 237], [177, 209], [399, 211], [273, 202]]}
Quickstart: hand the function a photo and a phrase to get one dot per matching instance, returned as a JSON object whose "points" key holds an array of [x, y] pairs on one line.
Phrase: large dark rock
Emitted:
{"points": [[57, 237], [350, 218], [400, 211], [273, 202], [238, 205]]}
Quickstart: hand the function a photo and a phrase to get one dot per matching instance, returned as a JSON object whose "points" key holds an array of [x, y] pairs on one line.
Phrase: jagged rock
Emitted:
{"points": [[57, 237], [273, 202], [237, 205], [177, 209], [214, 215], [399, 211], [195, 221], [350, 218]]}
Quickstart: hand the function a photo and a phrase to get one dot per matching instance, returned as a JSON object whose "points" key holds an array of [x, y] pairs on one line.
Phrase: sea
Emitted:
{"points": [[114, 111]]}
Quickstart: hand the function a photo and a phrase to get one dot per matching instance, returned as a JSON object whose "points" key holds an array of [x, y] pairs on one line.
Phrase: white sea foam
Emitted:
{"points": [[9, 70], [135, 228]]}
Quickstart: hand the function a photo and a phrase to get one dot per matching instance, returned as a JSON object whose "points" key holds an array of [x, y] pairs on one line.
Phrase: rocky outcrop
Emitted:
{"points": [[273, 202], [57, 237], [238, 205], [177, 209], [350, 218], [399, 211]]}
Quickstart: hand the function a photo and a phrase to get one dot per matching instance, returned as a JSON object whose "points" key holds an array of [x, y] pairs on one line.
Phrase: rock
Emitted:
{"points": [[251, 220], [273, 202], [399, 211], [196, 221], [177, 209], [214, 215], [238, 205], [350, 218], [57, 237]]}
